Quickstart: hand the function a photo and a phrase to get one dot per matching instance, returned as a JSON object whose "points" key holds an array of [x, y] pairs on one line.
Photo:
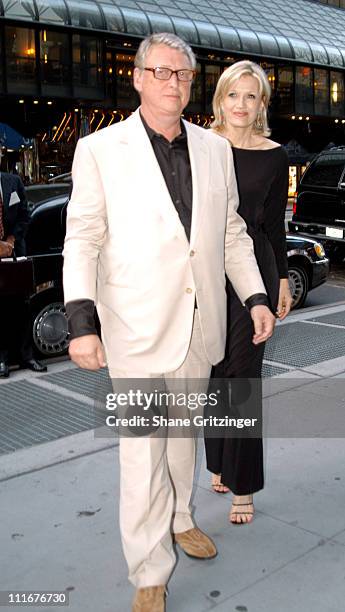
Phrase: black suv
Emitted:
{"points": [[319, 209]]}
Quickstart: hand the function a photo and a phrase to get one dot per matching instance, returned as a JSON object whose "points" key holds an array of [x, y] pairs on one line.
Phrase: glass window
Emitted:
{"points": [[20, 59], [284, 94], [208, 35], [124, 67], [269, 69], [325, 171], [304, 89], [185, 29], [160, 23], [321, 92], [337, 93], [85, 14], [212, 74], [113, 18], [52, 11], [87, 66], [136, 22], [16, 9], [268, 44], [54, 57], [196, 96]]}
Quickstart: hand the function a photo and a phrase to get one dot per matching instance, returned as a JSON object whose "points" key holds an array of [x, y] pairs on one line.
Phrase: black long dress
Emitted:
{"points": [[262, 178]]}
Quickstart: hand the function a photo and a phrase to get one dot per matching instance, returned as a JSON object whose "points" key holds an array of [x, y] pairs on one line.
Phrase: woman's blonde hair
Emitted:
{"points": [[231, 74]]}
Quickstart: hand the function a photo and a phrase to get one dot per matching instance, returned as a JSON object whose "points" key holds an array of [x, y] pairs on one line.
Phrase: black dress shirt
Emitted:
{"points": [[174, 162]]}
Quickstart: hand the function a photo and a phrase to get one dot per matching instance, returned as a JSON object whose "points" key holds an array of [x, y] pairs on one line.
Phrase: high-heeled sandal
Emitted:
{"points": [[215, 485], [249, 513]]}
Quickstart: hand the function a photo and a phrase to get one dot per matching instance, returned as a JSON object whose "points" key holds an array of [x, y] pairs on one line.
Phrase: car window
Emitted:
{"points": [[325, 171]]}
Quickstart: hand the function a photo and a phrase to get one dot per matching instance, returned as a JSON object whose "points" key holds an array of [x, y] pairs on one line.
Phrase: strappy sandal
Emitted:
{"points": [[239, 512], [216, 486]]}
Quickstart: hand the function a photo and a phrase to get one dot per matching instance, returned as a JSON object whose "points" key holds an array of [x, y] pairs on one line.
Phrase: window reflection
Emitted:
{"points": [[212, 74], [337, 93], [87, 70], [20, 58], [284, 96], [17, 9], [196, 101], [269, 69], [321, 92], [304, 89], [54, 57], [123, 68]]}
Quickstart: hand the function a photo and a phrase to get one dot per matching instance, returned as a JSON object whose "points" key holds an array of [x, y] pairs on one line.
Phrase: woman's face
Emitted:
{"points": [[243, 102]]}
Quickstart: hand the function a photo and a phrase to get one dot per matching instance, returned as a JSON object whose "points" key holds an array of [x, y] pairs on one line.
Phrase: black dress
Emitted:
{"points": [[262, 178]]}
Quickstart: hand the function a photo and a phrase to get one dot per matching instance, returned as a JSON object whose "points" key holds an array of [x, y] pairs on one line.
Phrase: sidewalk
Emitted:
{"points": [[59, 502]]}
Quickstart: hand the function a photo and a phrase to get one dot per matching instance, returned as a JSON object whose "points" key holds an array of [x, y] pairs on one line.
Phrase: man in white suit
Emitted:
{"points": [[151, 226]]}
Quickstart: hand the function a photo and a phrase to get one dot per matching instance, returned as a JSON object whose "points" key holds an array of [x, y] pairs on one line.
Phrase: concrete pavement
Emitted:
{"points": [[59, 511]]}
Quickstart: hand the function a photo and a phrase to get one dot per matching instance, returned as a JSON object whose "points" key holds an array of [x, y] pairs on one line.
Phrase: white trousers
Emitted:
{"points": [[156, 480]]}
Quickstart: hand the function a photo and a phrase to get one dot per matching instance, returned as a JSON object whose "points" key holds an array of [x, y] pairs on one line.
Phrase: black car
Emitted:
{"points": [[319, 208], [42, 192], [308, 268], [44, 243]]}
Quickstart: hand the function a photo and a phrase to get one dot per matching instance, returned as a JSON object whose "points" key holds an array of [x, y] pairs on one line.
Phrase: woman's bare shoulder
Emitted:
{"points": [[270, 144]]}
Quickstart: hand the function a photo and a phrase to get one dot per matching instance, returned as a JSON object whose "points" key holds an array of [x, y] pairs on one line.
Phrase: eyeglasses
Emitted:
{"points": [[164, 74]]}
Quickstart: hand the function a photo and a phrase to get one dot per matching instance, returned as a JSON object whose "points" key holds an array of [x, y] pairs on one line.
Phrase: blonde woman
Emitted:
{"points": [[240, 108]]}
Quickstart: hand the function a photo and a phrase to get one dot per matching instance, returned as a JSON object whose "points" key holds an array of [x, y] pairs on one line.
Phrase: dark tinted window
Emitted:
{"points": [[325, 171]]}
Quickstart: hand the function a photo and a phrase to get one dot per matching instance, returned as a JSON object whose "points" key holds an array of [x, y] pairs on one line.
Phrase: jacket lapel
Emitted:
{"points": [[200, 166], [6, 191], [148, 171]]}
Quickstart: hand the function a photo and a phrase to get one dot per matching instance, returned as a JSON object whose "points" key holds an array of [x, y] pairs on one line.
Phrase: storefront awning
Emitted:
{"points": [[297, 30], [11, 139]]}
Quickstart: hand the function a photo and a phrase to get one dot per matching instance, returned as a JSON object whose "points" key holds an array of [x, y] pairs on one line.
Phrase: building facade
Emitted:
{"points": [[66, 66]]}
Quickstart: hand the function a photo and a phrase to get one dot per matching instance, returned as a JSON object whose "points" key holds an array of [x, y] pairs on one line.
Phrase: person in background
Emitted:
{"points": [[240, 109], [14, 219], [153, 210]]}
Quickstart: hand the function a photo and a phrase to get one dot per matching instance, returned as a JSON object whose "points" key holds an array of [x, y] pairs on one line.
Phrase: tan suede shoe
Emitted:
{"points": [[196, 544], [149, 599]]}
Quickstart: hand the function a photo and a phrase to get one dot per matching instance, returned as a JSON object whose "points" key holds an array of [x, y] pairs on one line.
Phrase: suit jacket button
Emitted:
{"points": [[192, 253], [189, 290]]}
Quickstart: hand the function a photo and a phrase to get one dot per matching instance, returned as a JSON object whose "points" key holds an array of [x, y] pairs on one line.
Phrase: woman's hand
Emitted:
{"points": [[285, 299]]}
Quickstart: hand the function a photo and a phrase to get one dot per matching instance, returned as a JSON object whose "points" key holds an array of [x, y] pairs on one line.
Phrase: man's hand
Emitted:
{"points": [[5, 249], [87, 352], [264, 322]]}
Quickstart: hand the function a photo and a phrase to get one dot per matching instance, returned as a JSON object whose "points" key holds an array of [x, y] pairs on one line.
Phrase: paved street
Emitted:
{"points": [[59, 491]]}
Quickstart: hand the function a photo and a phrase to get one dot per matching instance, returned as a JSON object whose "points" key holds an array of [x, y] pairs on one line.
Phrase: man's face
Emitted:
{"points": [[163, 97]]}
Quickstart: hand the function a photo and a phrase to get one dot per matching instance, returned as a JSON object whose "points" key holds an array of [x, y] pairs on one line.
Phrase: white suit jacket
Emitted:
{"points": [[127, 250]]}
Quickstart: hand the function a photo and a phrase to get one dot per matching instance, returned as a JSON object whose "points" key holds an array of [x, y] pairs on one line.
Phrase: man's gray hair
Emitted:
{"points": [[164, 38]]}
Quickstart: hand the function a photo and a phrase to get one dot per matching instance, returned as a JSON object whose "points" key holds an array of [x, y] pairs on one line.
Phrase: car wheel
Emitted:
{"points": [[298, 281], [50, 330]]}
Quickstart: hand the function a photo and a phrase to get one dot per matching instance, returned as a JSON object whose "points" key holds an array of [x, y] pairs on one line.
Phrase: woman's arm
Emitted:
{"points": [[274, 222]]}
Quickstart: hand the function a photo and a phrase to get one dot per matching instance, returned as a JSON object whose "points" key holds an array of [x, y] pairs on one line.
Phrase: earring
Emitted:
{"points": [[259, 123]]}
